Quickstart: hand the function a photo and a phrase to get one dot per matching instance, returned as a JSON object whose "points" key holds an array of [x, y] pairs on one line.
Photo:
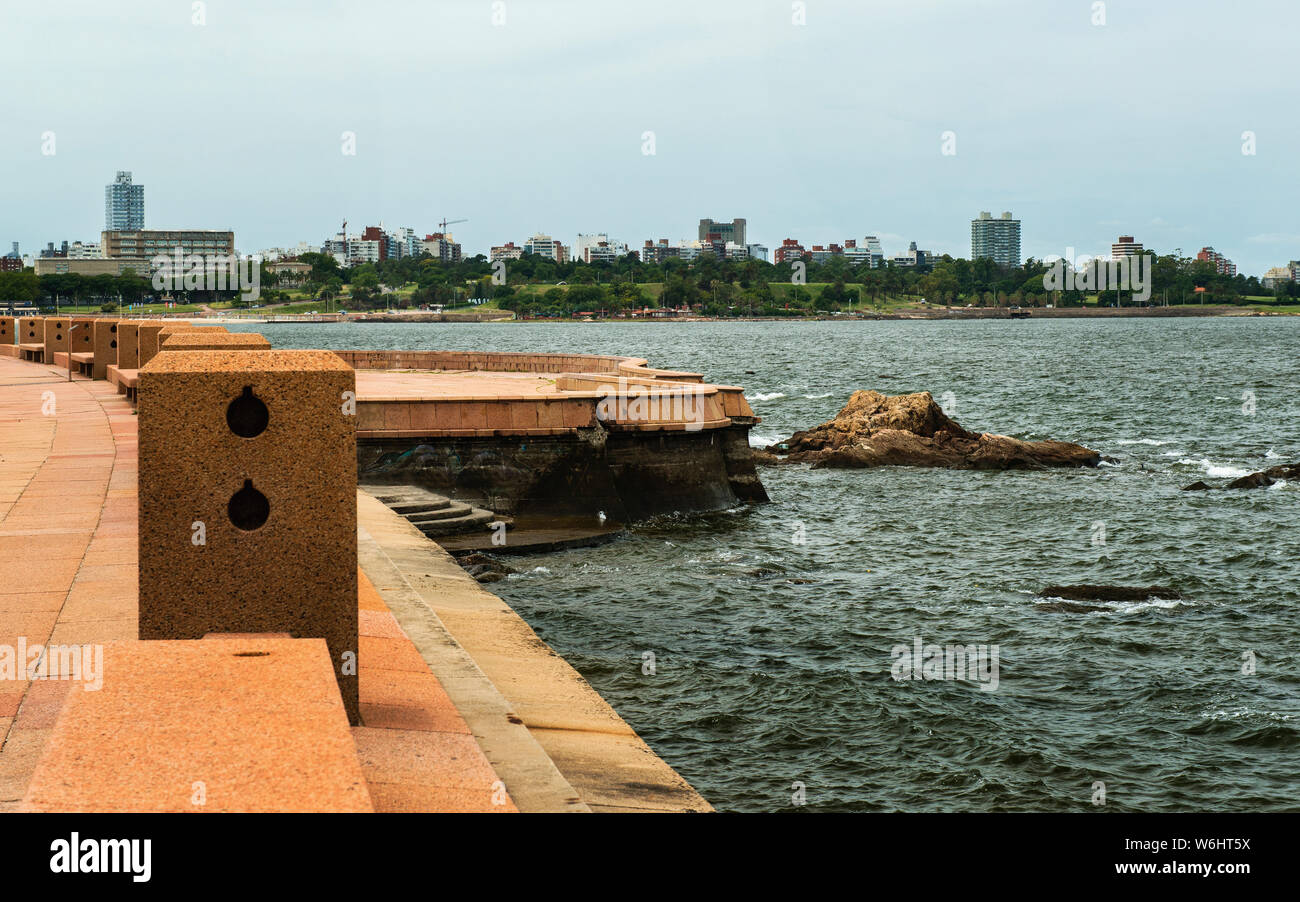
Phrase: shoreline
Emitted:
{"points": [[981, 313]]}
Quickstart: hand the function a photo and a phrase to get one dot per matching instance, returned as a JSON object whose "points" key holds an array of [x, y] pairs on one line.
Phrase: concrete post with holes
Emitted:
{"points": [[248, 518], [104, 339], [56, 336]]}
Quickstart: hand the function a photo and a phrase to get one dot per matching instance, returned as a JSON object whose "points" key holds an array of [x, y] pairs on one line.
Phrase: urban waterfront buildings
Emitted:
{"points": [[996, 239], [123, 204]]}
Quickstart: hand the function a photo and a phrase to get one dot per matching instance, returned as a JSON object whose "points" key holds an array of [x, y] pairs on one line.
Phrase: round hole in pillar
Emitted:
{"points": [[248, 508], [247, 416], [113, 343]]}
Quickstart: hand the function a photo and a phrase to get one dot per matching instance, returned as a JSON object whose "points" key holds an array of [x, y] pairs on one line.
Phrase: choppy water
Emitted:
{"points": [[772, 658]]}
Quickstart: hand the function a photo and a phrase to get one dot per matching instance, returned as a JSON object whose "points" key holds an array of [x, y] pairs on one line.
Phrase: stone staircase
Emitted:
{"points": [[433, 514]]}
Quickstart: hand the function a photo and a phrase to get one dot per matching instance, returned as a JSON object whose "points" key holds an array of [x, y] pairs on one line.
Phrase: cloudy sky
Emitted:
{"points": [[820, 131]]}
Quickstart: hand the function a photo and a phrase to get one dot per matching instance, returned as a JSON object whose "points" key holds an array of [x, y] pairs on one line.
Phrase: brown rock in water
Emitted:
{"points": [[1266, 477], [1109, 593], [1262, 479], [875, 430]]}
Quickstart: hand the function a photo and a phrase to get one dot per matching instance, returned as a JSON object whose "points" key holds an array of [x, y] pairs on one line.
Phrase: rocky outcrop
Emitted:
{"points": [[875, 430], [1262, 479]]}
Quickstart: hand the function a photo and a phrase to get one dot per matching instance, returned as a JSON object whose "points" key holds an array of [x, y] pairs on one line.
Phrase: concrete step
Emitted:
{"points": [[451, 511], [409, 506], [477, 518]]}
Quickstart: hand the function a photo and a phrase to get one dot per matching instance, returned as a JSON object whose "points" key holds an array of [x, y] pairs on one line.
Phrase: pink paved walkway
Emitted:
{"points": [[68, 560], [67, 539]]}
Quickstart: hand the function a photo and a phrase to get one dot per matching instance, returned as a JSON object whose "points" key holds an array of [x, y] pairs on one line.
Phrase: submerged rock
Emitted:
{"points": [[483, 568], [1262, 479], [1266, 478], [1069, 607], [875, 430], [1110, 593]]}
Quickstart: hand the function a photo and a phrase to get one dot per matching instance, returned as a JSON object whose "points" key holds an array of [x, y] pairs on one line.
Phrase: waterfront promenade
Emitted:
{"points": [[462, 707]]}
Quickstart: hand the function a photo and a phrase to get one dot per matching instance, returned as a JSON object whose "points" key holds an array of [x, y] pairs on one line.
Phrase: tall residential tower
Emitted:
{"points": [[997, 239], [123, 205]]}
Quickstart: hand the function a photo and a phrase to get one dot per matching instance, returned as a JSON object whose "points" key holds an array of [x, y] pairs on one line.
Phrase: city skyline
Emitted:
{"points": [[1094, 136]]}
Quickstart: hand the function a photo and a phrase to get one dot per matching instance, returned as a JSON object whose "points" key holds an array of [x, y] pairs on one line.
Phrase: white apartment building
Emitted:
{"points": [[546, 246], [597, 248], [90, 251]]}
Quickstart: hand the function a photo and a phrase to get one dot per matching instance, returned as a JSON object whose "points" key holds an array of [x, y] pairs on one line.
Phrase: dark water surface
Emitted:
{"points": [[772, 658]]}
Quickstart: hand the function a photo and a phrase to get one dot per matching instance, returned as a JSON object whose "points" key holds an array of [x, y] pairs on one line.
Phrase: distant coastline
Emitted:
{"points": [[955, 313]]}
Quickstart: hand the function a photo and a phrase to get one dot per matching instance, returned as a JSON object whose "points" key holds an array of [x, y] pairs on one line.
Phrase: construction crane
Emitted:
{"points": [[446, 222]]}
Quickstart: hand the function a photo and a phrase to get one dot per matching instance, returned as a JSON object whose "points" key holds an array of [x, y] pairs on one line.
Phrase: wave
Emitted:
{"points": [[1215, 470], [768, 397], [819, 397], [757, 440], [1141, 441]]}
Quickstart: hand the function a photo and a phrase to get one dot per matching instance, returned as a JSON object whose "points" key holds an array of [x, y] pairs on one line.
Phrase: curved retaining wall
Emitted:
{"points": [[616, 436]]}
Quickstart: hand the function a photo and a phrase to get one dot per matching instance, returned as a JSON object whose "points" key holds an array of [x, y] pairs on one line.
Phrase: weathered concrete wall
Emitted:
{"points": [[630, 475]]}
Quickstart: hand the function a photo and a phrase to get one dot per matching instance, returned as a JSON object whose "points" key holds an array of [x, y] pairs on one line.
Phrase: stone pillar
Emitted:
{"points": [[31, 330], [128, 345], [56, 336], [248, 499], [105, 342]]}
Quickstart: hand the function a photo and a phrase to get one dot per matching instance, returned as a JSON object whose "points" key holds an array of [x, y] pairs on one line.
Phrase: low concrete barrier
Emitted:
{"points": [[222, 725], [248, 499], [151, 336], [213, 341]]}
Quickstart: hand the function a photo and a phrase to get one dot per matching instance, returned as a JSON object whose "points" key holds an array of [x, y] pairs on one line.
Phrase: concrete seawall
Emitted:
{"points": [[553, 435]]}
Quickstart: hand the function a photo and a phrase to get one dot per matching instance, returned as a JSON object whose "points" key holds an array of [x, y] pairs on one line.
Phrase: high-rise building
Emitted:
{"points": [[442, 247], [724, 232], [123, 205], [1222, 265], [997, 239], [1125, 246]]}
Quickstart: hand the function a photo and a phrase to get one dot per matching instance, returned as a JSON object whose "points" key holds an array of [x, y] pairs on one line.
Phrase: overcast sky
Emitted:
{"points": [[823, 131]]}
